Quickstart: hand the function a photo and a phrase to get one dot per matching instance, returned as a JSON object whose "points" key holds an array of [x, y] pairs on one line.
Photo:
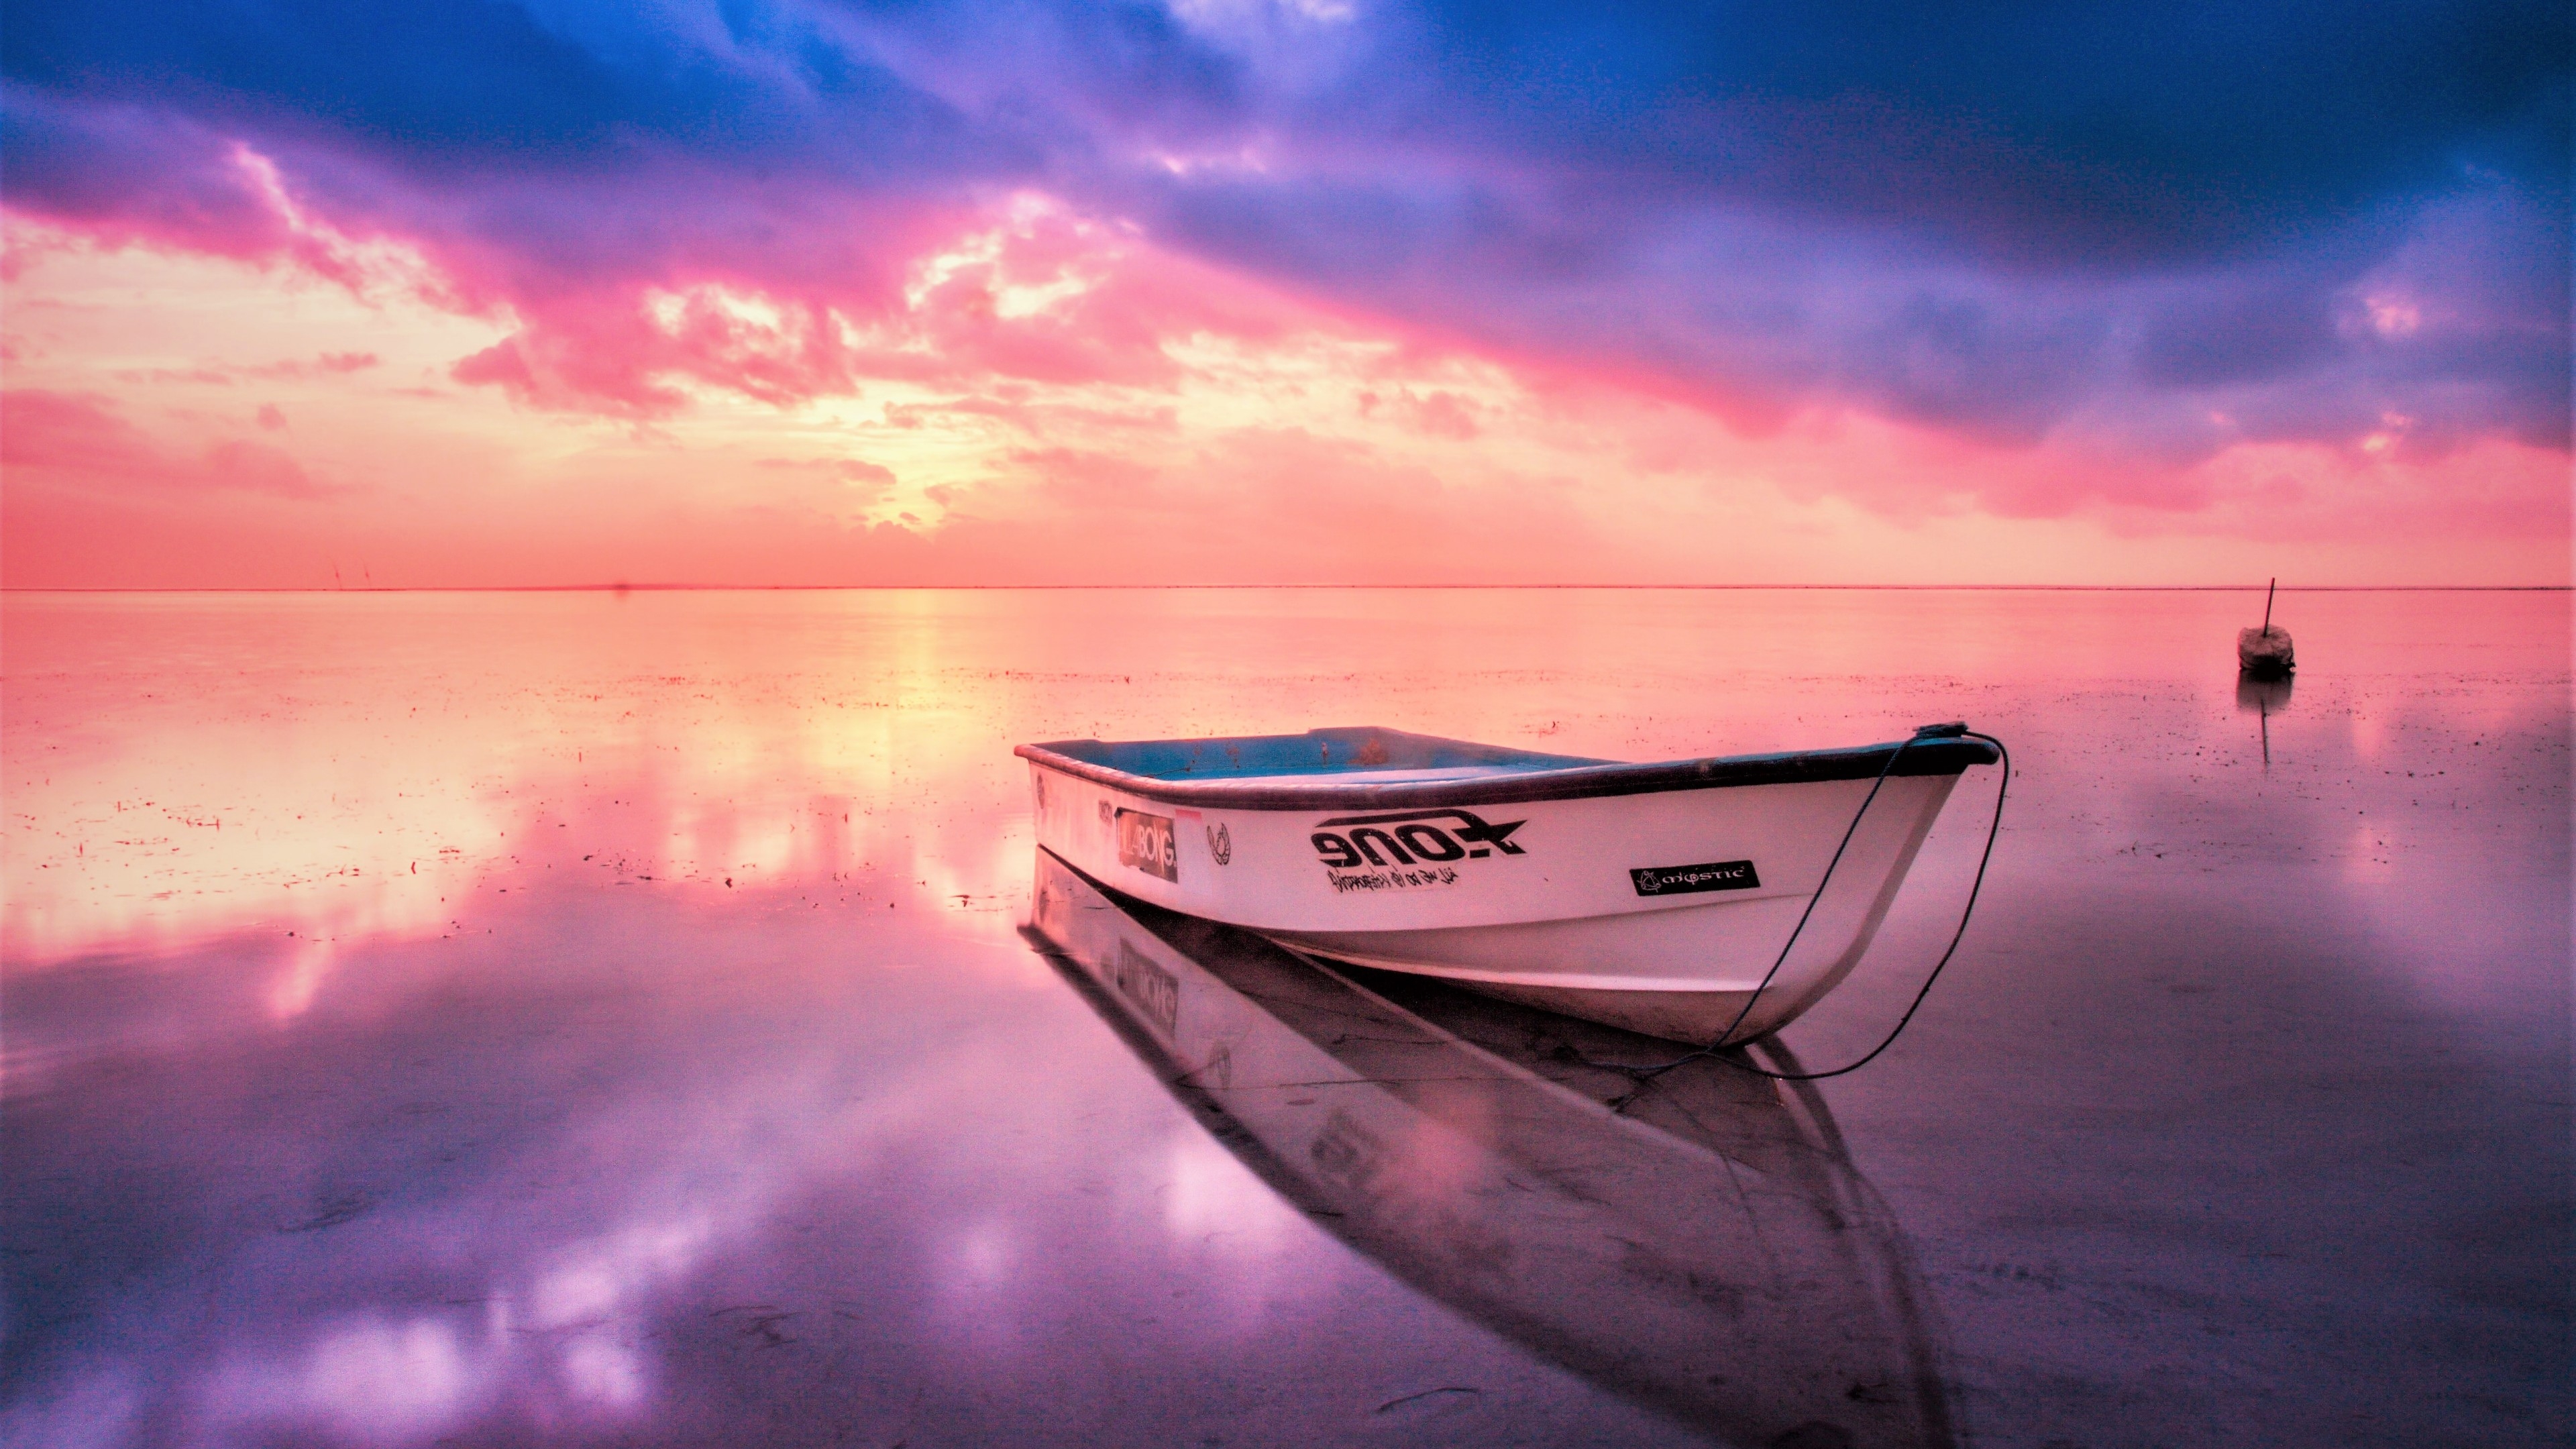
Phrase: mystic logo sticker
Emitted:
{"points": [[1145, 842], [1681, 880], [1220, 843], [1373, 852]]}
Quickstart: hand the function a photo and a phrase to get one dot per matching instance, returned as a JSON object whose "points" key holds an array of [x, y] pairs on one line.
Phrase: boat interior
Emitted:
{"points": [[1383, 755]]}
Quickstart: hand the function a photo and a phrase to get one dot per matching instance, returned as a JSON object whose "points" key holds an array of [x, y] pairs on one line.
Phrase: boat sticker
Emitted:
{"points": [[1347, 881], [1145, 842], [1681, 880], [1407, 850], [1148, 988], [1217, 1070], [1348, 1154], [1404, 837], [1220, 843]]}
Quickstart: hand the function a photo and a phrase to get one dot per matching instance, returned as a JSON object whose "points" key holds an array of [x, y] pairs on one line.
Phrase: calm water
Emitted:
{"points": [[571, 1018]]}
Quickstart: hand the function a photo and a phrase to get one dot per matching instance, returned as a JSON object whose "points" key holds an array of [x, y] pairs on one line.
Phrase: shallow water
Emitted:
{"points": [[572, 1018]]}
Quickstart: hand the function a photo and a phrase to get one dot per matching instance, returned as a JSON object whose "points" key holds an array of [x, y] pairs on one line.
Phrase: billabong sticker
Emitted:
{"points": [[1147, 987], [1681, 880], [1145, 842]]}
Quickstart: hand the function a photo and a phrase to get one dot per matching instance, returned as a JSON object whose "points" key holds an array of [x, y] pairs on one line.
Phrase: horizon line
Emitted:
{"points": [[668, 588]]}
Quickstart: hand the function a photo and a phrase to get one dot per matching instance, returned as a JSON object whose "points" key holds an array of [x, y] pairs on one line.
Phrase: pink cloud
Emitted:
{"points": [[1021, 294], [61, 432], [1072, 353], [65, 439], [215, 374], [1439, 413]]}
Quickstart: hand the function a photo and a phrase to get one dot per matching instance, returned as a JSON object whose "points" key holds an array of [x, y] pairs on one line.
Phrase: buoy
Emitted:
{"points": [[2265, 653]]}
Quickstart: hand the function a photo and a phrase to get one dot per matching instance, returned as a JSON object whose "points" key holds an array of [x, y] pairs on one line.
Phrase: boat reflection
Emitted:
{"points": [[1701, 1244], [2263, 698]]}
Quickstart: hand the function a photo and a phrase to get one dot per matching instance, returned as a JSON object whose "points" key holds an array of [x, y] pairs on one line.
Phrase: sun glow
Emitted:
{"points": [[1050, 398]]}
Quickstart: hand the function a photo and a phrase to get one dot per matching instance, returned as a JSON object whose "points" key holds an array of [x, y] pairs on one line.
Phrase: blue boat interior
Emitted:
{"points": [[1349, 750]]}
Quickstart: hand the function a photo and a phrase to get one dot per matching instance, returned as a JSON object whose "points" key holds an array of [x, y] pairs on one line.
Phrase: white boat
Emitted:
{"points": [[1653, 897]]}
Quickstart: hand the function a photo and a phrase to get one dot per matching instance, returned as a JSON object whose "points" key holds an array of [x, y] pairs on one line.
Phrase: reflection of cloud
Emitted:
{"points": [[604, 1372], [184, 813], [307, 964], [370, 1380], [597, 1277], [2367, 853], [92, 1411], [1215, 1202], [574, 1242], [378, 1380], [983, 1255], [1229, 1223]]}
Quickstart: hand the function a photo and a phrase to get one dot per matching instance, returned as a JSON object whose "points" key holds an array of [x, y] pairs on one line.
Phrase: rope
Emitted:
{"points": [[1716, 1049]]}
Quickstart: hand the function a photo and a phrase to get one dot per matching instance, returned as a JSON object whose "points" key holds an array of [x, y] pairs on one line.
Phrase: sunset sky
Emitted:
{"points": [[481, 293]]}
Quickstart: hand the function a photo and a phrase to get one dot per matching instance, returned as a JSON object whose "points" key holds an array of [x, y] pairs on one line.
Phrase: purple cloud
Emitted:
{"points": [[2158, 232]]}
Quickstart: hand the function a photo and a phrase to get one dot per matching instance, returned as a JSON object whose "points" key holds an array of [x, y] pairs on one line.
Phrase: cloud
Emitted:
{"points": [[2160, 238], [60, 438], [49, 430], [328, 364], [133, 173], [217, 374], [856, 482], [1292, 507]]}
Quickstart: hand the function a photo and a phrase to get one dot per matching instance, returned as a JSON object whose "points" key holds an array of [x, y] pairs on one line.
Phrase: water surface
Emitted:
{"points": [[581, 1018]]}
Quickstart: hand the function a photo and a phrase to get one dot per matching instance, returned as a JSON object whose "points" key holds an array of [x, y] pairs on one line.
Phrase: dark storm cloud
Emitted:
{"points": [[2062, 133], [1997, 218]]}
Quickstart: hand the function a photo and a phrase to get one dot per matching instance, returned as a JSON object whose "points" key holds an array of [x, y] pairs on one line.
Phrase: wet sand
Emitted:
{"points": [[581, 1018]]}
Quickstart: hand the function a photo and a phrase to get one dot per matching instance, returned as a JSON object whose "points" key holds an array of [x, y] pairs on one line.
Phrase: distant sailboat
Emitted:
{"points": [[2265, 653]]}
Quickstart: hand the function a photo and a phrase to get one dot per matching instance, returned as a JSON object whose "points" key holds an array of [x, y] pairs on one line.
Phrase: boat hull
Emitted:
{"points": [[1660, 911], [2265, 653]]}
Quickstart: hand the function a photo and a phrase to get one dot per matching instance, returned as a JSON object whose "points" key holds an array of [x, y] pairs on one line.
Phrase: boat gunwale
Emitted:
{"points": [[1580, 782]]}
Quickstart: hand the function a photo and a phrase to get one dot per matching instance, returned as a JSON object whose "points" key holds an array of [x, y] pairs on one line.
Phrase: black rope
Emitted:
{"points": [[1717, 1049]]}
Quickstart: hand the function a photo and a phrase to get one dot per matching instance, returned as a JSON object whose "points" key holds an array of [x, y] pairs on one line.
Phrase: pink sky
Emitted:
{"points": [[1222, 316], [1094, 413]]}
